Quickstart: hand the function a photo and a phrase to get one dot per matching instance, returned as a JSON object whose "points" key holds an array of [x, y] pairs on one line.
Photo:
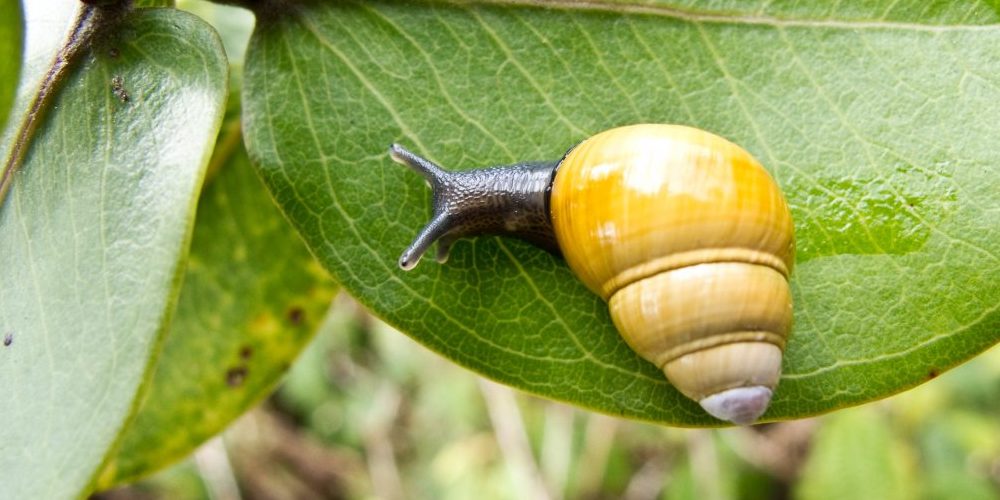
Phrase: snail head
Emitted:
{"points": [[507, 200]]}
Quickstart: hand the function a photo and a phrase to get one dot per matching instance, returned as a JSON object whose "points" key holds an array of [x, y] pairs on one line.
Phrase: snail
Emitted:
{"points": [[683, 233]]}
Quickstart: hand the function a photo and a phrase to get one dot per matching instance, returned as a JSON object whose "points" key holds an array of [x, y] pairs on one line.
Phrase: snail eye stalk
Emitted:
{"points": [[508, 200]]}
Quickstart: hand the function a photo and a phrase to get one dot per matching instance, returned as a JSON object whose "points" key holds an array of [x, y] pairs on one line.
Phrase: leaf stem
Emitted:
{"points": [[230, 138], [83, 30]]}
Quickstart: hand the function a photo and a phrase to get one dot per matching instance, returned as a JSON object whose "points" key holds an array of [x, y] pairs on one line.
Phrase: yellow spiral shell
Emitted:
{"points": [[691, 242]]}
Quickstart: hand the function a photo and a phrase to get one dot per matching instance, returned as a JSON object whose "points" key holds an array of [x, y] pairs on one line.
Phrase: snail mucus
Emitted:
{"points": [[683, 233]]}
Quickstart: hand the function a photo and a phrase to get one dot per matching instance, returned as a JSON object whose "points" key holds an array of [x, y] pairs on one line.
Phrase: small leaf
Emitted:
{"points": [[252, 298], [879, 130], [234, 25], [93, 234]]}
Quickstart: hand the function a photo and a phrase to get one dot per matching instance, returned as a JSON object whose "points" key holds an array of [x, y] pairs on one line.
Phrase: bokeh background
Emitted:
{"points": [[367, 413]]}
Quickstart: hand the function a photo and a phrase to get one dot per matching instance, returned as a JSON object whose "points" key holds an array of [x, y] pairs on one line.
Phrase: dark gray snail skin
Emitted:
{"points": [[507, 200]]}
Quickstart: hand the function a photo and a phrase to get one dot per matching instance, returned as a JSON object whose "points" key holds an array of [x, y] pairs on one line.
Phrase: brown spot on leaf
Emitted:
{"points": [[118, 88], [245, 352], [296, 315], [8, 339], [236, 375], [931, 375]]}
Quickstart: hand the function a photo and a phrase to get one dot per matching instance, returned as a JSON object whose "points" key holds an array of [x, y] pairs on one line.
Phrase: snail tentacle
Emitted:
{"points": [[444, 247], [434, 229], [503, 200], [430, 170]]}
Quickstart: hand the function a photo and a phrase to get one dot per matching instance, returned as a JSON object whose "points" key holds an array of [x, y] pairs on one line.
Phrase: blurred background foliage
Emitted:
{"points": [[368, 413]]}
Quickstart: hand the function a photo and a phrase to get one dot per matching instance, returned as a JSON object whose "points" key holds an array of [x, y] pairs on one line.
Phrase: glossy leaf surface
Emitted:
{"points": [[93, 236]]}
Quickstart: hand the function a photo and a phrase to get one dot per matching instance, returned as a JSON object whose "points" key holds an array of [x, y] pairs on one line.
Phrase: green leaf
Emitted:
{"points": [[93, 235], [234, 25], [879, 131], [11, 44], [855, 455], [253, 296]]}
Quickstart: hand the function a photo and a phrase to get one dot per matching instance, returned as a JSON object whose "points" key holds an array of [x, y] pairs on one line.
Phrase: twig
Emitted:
{"points": [[597, 441], [216, 471], [513, 439]]}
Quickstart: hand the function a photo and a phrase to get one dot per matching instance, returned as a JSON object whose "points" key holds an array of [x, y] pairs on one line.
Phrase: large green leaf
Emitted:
{"points": [[252, 298], [93, 235], [880, 129]]}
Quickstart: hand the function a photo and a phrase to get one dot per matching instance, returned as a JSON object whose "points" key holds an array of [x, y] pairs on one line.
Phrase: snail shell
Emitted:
{"points": [[683, 233]]}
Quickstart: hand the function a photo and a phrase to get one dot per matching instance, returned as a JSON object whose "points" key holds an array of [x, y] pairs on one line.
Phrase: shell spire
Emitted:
{"points": [[740, 405]]}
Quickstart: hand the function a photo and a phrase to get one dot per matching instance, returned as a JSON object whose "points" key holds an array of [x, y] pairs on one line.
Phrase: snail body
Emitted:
{"points": [[683, 233]]}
